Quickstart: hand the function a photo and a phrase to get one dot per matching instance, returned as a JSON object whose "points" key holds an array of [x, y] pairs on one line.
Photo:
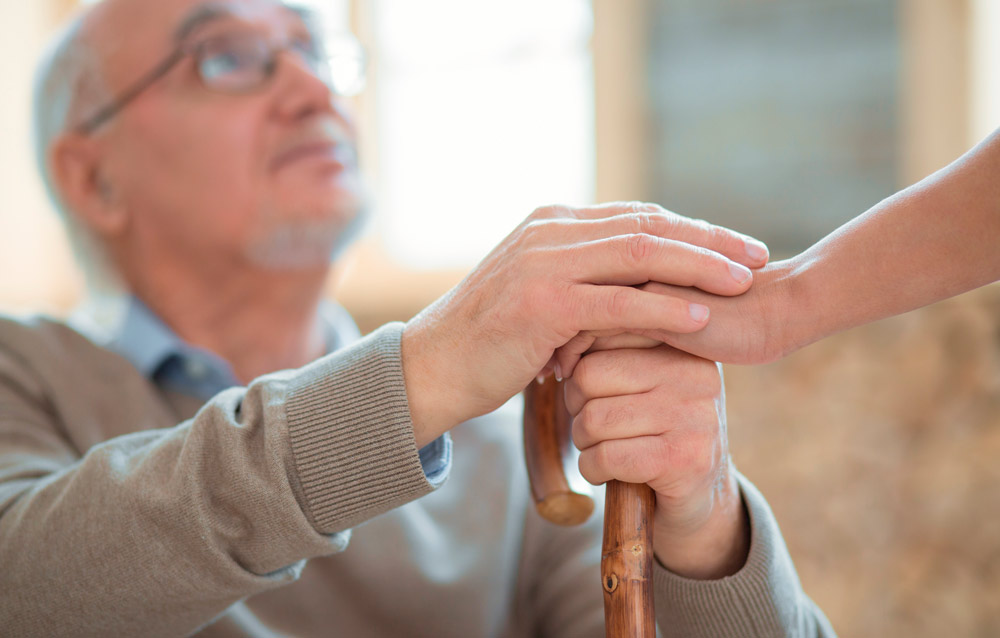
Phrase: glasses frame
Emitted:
{"points": [[105, 113]]}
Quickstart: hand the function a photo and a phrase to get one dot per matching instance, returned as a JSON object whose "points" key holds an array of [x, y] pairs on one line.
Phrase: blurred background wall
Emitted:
{"points": [[783, 118]]}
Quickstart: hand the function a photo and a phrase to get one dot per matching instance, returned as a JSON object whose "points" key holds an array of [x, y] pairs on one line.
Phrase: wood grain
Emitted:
{"points": [[627, 561]]}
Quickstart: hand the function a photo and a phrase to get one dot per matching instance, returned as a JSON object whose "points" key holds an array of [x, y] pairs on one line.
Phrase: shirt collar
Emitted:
{"points": [[128, 327], [145, 340]]}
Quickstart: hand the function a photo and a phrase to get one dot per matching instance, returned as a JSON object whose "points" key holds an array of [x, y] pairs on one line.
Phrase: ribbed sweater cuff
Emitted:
{"points": [[762, 599], [351, 434]]}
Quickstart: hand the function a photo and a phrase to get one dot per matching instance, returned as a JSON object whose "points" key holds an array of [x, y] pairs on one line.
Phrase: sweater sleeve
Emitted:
{"points": [[762, 600], [158, 532], [563, 596]]}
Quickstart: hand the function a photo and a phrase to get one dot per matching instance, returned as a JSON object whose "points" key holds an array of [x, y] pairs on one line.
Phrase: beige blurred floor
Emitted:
{"points": [[878, 450]]}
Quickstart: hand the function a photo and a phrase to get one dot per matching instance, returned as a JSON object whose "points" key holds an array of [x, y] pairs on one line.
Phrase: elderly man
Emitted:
{"points": [[216, 451]]}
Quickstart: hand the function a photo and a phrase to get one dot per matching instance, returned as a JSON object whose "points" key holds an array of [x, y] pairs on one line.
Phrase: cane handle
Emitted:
{"points": [[551, 457]]}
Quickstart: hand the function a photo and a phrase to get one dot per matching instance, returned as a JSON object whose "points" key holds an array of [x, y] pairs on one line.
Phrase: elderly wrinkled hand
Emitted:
{"points": [[657, 416], [562, 272]]}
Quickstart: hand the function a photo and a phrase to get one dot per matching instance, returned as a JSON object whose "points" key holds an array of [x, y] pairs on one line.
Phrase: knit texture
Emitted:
{"points": [[765, 595], [356, 457], [297, 506]]}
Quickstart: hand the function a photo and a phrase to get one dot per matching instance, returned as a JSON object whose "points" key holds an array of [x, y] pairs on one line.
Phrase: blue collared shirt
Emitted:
{"points": [[160, 355]]}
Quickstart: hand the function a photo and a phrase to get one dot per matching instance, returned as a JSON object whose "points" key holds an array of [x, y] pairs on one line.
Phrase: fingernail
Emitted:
{"points": [[558, 372], [756, 250], [698, 312], [739, 272]]}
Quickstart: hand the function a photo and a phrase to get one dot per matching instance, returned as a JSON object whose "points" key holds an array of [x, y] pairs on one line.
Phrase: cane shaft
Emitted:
{"points": [[627, 561]]}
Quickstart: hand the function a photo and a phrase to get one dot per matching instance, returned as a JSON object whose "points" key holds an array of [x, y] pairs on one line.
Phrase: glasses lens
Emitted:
{"points": [[234, 65]]}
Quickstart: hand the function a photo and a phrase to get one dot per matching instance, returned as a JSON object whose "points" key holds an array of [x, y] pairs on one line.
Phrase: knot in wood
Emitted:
{"points": [[611, 583]]}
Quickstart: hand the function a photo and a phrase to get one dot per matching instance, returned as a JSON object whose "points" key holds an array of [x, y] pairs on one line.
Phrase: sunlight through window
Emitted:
{"points": [[484, 111]]}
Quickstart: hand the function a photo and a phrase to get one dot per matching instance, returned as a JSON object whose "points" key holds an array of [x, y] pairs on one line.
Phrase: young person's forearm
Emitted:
{"points": [[936, 239]]}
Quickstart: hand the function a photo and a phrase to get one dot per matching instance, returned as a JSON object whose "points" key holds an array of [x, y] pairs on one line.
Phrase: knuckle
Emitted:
{"points": [[706, 417], [646, 207], [681, 453], [693, 413], [715, 263], [639, 222], [657, 458], [618, 303], [704, 454], [723, 237], [706, 375], [583, 429], [705, 233], [572, 396], [615, 414], [671, 224], [651, 223], [533, 235], [533, 226], [533, 232], [588, 466], [708, 258], [587, 417], [610, 363], [603, 458], [519, 238], [545, 212], [695, 451], [638, 247], [701, 226], [658, 451], [730, 243], [713, 380], [586, 375], [717, 234]]}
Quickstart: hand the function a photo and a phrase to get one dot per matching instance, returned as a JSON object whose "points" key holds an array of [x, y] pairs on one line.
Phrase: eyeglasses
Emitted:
{"points": [[243, 63]]}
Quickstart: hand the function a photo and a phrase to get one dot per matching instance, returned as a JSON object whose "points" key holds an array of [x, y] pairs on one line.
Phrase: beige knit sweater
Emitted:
{"points": [[298, 507]]}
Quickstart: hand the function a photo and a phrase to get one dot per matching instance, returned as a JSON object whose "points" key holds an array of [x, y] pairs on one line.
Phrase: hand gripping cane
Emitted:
{"points": [[627, 554]]}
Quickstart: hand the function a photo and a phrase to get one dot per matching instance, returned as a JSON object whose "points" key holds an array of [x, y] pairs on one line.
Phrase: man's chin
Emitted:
{"points": [[305, 245]]}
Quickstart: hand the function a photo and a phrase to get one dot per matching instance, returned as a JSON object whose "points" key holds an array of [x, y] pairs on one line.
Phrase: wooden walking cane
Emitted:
{"points": [[627, 554]]}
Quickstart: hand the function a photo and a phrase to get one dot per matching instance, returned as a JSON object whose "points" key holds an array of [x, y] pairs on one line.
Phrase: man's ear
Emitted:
{"points": [[78, 168]]}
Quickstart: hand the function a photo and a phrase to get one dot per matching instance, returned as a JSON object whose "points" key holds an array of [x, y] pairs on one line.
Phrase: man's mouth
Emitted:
{"points": [[329, 152]]}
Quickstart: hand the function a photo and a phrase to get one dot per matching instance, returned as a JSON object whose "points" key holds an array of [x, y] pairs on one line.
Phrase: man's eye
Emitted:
{"points": [[221, 64], [229, 62], [307, 48]]}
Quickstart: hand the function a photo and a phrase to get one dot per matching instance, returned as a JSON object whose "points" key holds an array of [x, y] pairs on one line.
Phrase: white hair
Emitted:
{"points": [[69, 85]]}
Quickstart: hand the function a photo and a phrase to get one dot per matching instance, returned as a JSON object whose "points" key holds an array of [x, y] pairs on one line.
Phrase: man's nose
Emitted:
{"points": [[300, 91]]}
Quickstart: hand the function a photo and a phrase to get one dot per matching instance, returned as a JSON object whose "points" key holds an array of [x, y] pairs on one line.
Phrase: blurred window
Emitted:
{"points": [[777, 118], [985, 67], [482, 111]]}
